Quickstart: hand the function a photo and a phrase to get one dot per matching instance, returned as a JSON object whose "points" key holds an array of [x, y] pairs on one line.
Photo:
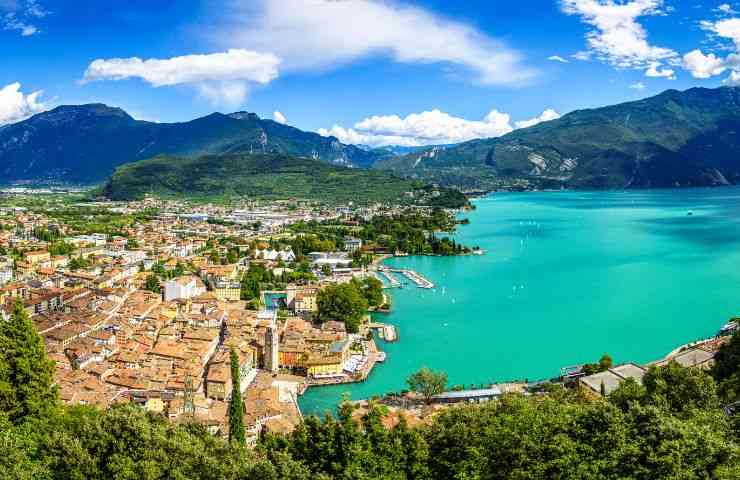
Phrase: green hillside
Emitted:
{"points": [[255, 176], [674, 139]]}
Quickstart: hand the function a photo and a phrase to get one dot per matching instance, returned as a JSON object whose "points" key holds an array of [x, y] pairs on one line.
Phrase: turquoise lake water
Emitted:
{"points": [[567, 276]]}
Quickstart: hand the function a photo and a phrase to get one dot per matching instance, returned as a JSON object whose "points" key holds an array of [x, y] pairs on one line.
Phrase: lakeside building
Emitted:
{"points": [[610, 379], [468, 396]]}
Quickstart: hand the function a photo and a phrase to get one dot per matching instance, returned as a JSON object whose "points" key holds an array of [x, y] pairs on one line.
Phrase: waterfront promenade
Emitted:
{"points": [[372, 358]]}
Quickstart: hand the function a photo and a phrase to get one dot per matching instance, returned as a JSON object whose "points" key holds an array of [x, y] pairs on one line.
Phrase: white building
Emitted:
{"points": [[286, 255], [183, 288], [352, 244], [332, 259], [6, 275], [96, 239]]}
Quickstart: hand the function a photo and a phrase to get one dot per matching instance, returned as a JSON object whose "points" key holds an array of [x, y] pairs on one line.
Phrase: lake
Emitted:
{"points": [[567, 276]]}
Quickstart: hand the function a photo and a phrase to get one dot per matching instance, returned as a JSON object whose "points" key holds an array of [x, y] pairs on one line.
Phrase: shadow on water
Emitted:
{"points": [[711, 231]]}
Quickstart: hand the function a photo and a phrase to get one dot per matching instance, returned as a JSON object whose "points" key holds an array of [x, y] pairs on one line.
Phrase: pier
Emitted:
{"points": [[415, 277], [392, 282], [412, 275]]}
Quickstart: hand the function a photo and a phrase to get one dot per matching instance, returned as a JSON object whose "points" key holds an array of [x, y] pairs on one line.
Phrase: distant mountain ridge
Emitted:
{"points": [[85, 143], [674, 139]]}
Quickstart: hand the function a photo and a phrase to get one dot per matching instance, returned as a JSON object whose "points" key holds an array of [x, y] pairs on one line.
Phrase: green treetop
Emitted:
{"points": [[344, 303], [236, 406], [26, 374], [427, 383]]}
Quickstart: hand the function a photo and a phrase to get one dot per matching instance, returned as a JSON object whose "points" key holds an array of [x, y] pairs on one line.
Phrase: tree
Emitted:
{"points": [[344, 303], [232, 256], [152, 284], [26, 374], [427, 383], [627, 394], [726, 369], [605, 362], [372, 289], [236, 406], [680, 389], [325, 270]]}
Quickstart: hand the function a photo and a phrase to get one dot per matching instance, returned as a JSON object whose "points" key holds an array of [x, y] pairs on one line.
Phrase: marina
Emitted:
{"points": [[412, 275]]}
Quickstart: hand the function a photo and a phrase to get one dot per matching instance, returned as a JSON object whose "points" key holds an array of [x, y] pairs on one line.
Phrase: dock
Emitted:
{"points": [[392, 282], [415, 277]]}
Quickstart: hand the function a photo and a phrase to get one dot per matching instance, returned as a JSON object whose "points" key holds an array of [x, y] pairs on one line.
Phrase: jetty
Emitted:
{"points": [[412, 275], [392, 281], [415, 277]]}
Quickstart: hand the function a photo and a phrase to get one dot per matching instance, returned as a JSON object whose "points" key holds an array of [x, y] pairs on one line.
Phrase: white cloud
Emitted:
{"points": [[638, 86], [710, 65], [656, 71], [220, 77], [733, 80], [17, 15], [320, 34], [617, 38], [583, 56], [729, 28], [429, 128], [10, 22], [557, 58], [15, 106], [279, 117], [545, 116], [703, 66], [726, 9]]}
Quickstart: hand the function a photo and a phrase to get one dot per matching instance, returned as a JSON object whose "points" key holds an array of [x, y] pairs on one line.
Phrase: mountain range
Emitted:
{"points": [[674, 139], [85, 143]]}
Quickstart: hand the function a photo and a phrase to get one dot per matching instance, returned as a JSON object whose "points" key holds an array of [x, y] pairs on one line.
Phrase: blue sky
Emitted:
{"points": [[395, 71]]}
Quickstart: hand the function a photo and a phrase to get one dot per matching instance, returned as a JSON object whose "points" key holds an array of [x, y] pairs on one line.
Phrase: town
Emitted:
{"points": [[142, 302]]}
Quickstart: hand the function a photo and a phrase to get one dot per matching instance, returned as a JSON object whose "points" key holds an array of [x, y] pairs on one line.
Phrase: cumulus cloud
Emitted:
{"points": [[728, 28], [320, 34], [703, 66], [220, 77], [15, 106], [20, 15], [279, 117], [617, 38], [656, 71], [432, 127], [557, 58], [638, 86], [709, 65], [545, 116]]}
